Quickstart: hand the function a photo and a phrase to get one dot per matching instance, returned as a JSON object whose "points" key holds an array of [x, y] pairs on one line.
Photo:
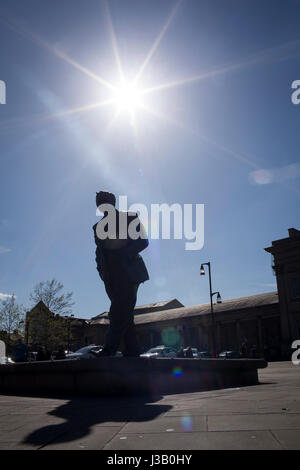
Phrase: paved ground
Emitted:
{"points": [[266, 416]]}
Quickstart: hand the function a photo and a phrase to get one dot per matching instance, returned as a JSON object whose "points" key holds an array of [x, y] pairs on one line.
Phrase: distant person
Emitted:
{"points": [[254, 351], [20, 351], [189, 352], [122, 269], [60, 354], [244, 349], [180, 352], [42, 354]]}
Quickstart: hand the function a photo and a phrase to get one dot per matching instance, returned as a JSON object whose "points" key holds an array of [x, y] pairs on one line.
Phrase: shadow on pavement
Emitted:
{"points": [[80, 414]]}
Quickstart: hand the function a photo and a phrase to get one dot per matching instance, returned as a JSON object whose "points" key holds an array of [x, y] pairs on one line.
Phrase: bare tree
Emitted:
{"points": [[11, 316], [50, 293]]}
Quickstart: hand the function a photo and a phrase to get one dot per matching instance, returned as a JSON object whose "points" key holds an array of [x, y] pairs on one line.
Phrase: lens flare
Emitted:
{"points": [[177, 371], [187, 423]]}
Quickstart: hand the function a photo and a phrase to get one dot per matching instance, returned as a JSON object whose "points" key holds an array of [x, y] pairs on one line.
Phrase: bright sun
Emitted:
{"points": [[127, 97]]}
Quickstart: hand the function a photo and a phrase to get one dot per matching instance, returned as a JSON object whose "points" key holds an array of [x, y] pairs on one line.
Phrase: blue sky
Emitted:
{"points": [[206, 141]]}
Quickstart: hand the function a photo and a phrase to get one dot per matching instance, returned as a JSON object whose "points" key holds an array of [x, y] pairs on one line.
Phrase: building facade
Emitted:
{"points": [[267, 323], [44, 328], [254, 320], [286, 265]]}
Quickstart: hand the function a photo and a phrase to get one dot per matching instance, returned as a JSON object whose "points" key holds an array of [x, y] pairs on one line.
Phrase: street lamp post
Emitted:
{"points": [[27, 330], [219, 300], [26, 322], [69, 319]]}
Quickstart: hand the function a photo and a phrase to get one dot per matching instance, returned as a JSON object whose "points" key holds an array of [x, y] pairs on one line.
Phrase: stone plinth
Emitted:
{"points": [[120, 375]]}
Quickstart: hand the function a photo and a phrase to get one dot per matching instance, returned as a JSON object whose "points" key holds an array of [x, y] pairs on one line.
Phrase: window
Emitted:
{"points": [[295, 287]]}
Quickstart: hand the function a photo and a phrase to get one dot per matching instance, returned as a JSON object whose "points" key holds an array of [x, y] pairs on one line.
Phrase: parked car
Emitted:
{"points": [[230, 355], [204, 354], [160, 351], [85, 352], [194, 350], [32, 356], [55, 354]]}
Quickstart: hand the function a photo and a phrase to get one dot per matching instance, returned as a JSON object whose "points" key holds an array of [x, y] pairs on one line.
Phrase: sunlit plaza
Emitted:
{"points": [[260, 417], [149, 226]]}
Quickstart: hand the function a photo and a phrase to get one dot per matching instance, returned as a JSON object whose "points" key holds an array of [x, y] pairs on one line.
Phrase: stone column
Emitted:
{"points": [[218, 327], [260, 335], [238, 335]]}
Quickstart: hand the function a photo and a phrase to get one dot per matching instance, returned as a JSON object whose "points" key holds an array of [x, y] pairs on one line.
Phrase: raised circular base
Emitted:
{"points": [[120, 375]]}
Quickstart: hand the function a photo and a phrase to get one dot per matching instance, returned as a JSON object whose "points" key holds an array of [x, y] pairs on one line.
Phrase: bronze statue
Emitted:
{"points": [[122, 269]]}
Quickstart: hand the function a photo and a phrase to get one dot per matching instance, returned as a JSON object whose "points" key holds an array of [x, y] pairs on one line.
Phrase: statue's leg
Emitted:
{"points": [[123, 298], [131, 345]]}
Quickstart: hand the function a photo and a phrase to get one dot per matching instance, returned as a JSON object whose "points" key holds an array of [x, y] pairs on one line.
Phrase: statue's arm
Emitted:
{"points": [[134, 247]]}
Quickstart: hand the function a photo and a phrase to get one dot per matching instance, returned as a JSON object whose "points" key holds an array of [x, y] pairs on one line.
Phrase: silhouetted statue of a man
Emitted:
{"points": [[122, 269]]}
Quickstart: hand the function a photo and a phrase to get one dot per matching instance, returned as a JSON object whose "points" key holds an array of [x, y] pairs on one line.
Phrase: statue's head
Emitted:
{"points": [[104, 197]]}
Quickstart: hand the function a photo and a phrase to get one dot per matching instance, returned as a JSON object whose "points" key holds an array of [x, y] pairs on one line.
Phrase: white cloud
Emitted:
{"points": [[275, 175], [4, 249], [5, 296]]}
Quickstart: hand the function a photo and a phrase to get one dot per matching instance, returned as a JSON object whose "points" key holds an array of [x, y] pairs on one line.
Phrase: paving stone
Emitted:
{"points": [[95, 439], [216, 407], [169, 424], [254, 421], [279, 406], [35, 433], [17, 446], [260, 440], [289, 439]]}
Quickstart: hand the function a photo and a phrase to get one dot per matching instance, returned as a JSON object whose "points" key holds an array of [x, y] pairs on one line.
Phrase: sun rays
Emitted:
{"points": [[157, 42], [127, 96], [124, 97]]}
